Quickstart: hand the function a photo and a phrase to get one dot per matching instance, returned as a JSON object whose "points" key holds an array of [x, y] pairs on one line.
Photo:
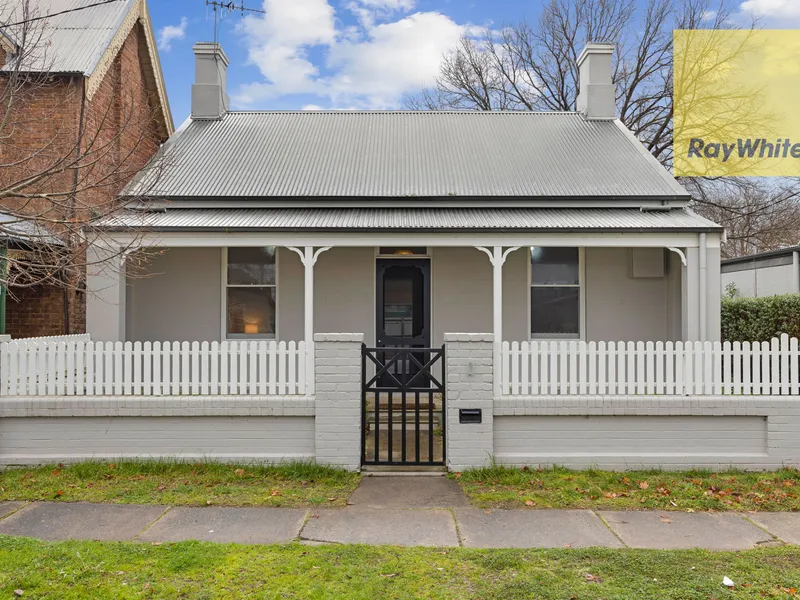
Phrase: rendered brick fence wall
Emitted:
{"points": [[338, 399]]}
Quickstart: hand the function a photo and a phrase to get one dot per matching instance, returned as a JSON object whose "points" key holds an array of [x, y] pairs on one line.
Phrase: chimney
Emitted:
{"points": [[209, 91], [596, 99]]}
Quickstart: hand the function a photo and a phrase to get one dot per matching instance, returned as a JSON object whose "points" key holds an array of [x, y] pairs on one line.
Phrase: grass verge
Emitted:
{"points": [[504, 487], [193, 570], [181, 484]]}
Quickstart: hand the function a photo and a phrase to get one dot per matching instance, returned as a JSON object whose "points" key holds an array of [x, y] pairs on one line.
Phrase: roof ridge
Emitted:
{"points": [[399, 112]]}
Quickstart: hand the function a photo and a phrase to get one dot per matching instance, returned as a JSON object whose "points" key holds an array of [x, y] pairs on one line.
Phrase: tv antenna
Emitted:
{"points": [[222, 7]]}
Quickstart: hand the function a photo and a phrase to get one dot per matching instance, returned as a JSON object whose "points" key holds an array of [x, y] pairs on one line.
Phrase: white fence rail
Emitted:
{"points": [[78, 368], [75, 337], [628, 368]]}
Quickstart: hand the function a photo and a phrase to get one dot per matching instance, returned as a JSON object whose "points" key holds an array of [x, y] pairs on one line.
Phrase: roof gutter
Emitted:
{"points": [[422, 230]]}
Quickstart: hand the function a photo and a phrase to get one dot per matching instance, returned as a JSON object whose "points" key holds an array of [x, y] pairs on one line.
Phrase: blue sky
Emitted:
{"points": [[341, 53]]}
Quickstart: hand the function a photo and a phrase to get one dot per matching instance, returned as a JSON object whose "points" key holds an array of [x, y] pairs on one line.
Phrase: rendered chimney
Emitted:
{"points": [[209, 91], [596, 98]]}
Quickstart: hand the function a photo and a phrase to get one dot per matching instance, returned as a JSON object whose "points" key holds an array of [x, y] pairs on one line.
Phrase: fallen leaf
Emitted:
{"points": [[59, 493], [275, 493], [530, 503], [592, 578], [665, 519], [161, 488], [239, 472], [111, 466], [458, 475], [18, 592], [331, 499], [156, 543], [387, 575], [643, 485], [56, 472], [209, 502]]}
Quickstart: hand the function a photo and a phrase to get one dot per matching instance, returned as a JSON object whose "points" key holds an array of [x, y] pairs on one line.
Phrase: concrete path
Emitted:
{"points": [[403, 511]]}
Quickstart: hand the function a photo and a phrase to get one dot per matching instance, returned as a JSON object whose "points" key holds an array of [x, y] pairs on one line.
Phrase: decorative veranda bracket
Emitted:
{"points": [[494, 258], [680, 253], [308, 256]]}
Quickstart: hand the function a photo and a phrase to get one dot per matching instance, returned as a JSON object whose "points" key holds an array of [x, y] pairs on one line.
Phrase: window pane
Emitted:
{"points": [[251, 266], [554, 266], [251, 311], [555, 311]]}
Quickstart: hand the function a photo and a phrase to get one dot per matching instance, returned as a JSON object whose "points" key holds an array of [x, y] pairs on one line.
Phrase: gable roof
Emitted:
{"points": [[404, 154], [73, 42], [85, 41]]}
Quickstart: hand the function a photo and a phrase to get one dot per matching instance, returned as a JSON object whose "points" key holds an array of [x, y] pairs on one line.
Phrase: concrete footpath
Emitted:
{"points": [[404, 511]]}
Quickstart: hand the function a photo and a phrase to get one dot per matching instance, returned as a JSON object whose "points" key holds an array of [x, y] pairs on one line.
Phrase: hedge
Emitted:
{"points": [[760, 319]]}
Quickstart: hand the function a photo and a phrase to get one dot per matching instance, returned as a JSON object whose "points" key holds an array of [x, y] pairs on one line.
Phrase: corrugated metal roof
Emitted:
{"points": [[438, 219], [404, 154], [27, 232], [70, 43]]}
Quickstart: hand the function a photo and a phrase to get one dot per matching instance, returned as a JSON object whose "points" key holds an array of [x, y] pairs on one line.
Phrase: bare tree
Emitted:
{"points": [[758, 215], [63, 157], [532, 66]]}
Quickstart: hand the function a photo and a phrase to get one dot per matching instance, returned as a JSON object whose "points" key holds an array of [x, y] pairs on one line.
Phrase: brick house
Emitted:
{"points": [[91, 90]]}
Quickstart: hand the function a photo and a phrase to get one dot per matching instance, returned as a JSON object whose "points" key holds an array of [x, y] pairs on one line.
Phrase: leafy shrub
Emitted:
{"points": [[760, 319]]}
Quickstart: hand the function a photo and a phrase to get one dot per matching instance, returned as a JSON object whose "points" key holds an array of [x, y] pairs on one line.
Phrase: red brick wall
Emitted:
{"points": [[36, 311], [120, 134]]}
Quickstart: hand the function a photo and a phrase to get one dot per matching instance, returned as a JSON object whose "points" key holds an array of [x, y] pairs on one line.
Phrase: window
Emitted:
{"points": [[555, 293], [250, 293]]}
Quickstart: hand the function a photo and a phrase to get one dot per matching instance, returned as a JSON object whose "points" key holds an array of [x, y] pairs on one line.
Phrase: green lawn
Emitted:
{"points": [[501, 487], [181, 484], [194, 570]]}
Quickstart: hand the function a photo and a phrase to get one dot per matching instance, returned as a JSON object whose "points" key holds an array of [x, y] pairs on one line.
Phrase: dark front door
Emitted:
{"points": [[403, 308], [403, 303]]}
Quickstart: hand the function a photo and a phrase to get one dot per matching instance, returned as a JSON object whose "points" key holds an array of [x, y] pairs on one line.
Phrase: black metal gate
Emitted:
{"points": [[403, 406]]}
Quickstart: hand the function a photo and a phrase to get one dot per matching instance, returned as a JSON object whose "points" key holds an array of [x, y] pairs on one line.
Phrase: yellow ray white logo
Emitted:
{"points": [[737, 103]]}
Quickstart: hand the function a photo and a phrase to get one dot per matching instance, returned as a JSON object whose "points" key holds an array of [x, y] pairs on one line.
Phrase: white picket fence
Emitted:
{"points": [[155, 369], [648, 368]]}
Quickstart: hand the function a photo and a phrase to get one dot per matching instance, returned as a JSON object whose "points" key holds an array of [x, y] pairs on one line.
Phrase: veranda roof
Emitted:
{"points": [[404, 219]]}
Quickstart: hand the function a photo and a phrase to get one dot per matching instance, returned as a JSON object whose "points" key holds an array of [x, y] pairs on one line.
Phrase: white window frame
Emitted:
{"points": [[582, 299], [224, 300]]}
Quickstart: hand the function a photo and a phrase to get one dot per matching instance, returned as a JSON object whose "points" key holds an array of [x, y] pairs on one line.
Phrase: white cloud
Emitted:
{"points": [[170, 33], [396, 58], [369, 11], [278, 42], [312, 107], [779, 10], [299, 49]]}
